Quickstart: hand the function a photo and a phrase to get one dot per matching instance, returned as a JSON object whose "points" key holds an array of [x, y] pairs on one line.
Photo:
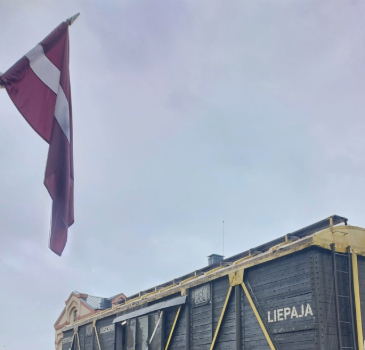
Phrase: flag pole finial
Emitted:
{"points": [[72, 19]]}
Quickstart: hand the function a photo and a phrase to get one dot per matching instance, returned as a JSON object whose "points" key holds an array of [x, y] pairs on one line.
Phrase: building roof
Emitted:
{"points": [[98, 303]]}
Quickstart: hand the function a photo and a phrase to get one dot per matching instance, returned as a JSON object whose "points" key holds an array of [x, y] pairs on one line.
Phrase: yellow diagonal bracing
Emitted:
{"points": [[97, 335], [76, 334], [173, 327], [355, 274], [221, 317], [272, 347], [78, 341], [72, 341]]}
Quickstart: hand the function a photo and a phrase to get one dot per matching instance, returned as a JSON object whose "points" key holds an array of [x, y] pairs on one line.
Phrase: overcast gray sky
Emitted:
{"points": [[186, 113]]}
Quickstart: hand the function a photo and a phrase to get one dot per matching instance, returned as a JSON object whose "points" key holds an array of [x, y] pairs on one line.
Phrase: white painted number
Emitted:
{"points": [[107, 329]]}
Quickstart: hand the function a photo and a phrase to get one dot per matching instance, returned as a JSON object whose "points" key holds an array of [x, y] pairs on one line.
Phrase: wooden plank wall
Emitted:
{"points": [[67, 335], [200, 326], [86, 337], [326, 299], [106, 330], [252, 336], [178, 339], [142, 332], [280, 289], [119, 336], [227, 334], [157, 342], [82, 336]]}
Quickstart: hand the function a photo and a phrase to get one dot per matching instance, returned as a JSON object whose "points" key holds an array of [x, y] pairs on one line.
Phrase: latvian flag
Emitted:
{"points": [[39, 86]]}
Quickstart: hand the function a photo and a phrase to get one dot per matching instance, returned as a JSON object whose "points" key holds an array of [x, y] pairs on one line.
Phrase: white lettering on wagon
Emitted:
{"points": [[66, 340], [287, 312], [107, 329]]}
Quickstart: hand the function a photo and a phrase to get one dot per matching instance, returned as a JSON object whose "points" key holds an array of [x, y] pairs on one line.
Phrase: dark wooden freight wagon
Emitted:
{"points": [[302, 291]]}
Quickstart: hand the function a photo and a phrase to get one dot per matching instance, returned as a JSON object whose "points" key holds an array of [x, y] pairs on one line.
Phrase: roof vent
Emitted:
{"points": [[215, 258]]}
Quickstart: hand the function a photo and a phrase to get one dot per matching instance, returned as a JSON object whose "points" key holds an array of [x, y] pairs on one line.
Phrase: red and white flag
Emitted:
{"points": [[39, 86]]}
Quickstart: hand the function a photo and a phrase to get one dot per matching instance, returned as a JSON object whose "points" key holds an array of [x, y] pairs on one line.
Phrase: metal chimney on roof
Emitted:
{"points": [[215, 258]]}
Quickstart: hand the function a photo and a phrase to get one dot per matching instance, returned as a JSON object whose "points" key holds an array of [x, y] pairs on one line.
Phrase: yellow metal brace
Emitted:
{"points": [[258, 316], [76, 334], [96, 333], [355, 273], [78, 341], [173, 327], [235, 279], [72, 341], [221, 317]]}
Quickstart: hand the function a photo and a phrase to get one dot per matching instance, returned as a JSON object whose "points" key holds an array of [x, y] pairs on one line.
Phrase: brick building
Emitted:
{"points": [[79, 306]]}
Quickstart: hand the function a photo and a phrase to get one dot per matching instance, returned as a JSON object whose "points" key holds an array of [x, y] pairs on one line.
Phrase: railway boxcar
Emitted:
{"points": [[302, 291]]}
